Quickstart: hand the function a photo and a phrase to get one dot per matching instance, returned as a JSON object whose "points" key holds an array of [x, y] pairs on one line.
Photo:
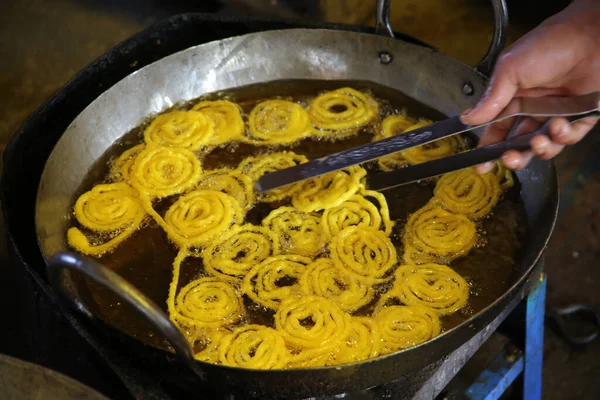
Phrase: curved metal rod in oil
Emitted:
{"points": [[486, 65], [61, 264]]}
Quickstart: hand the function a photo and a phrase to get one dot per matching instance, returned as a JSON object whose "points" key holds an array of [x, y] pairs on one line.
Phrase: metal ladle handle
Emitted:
{"points": [[486, 64], [61, 264]]}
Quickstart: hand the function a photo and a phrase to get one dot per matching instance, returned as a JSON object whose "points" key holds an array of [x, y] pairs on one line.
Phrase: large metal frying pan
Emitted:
{"points": [[429, 77]]}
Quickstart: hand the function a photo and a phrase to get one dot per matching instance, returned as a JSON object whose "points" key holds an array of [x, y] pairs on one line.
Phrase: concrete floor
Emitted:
{"points": [[44, 42]]}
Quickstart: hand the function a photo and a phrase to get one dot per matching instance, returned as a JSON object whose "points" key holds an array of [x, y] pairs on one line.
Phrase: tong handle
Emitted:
{"points": [[551, 106]]}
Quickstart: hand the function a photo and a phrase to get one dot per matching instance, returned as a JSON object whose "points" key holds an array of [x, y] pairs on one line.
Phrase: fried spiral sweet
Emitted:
{"points": [[184, 129], [235, 253], [505, 176], [231, 182], [277, 122], [161, 171], [121, 168], [200, 217], [323, 278], [299, 232], [358, 211], [366, 253], [207, 303], [226, 117], [255, 167], [431, 285], [253, 346], [467, 192], [211, 338], [401, 327], [274, 279], [340, 113], [313, 325], [363, 342], [329, 190], [113, 209], [433, 234]]}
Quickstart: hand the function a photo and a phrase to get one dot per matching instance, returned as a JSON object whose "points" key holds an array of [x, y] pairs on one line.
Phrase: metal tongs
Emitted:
{"points": [[572, 108]]}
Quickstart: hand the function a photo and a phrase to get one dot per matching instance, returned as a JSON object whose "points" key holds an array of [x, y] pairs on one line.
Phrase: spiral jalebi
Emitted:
{"points": [[255, 167], [363, 342], [227, 119], [313, 325], [358, 211], [231, 182], [277, 122], [121, 168], [210, 340], [401, 327], [394, 125], [236, 252], [504, 175], [200, 217], [299, 232], [275, 279], [366, 253], [468, 192], [341, 112], [329, 190], [207, 303], [433, 234], [323, 278], [183, 129], [114, 209], [161, 171], [431, 285], [254, 346]]}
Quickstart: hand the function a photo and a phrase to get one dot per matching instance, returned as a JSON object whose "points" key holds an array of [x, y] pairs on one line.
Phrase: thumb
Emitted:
{"points": [[501, 90]]}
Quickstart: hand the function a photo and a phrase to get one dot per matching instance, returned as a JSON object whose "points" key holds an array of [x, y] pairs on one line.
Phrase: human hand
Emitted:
{"points": [[561, 57]]}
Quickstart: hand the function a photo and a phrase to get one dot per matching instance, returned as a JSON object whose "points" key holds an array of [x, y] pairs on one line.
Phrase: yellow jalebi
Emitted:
{"points": [[468, 192], [200, 217], [329, 190], [364, 341], [323, 278], [366, 253], [161, 171], [313, 325], [185, 129], [432, 285], [113, 209], [341, 112], [226, 117], [209, 340], [231, 182], [207, 303], [433, 234], [401, 327], [235, 253], [274, 279], [504, 175], [121, 168], [299, 232], [395, 124], [358, 211], [277, 122], [255, 167], [254, 346]]}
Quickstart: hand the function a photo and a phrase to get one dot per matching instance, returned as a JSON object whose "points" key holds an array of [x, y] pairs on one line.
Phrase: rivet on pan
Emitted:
{"points": [[467, 89], [385, 57]]}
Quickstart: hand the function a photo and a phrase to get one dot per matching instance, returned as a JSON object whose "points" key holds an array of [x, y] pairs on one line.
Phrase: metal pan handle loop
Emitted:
{"points": [[59, 268], [486, 64]]}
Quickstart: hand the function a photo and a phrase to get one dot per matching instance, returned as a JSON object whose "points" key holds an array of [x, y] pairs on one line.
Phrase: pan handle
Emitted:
{"points": [[486, 64], [59, 270]]}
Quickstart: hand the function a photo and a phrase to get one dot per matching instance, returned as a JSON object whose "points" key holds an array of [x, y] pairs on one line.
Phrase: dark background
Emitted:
{"points": [[43, 43]]}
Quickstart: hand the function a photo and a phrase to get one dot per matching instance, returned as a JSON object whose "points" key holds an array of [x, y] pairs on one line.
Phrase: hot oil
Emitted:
{"points": [[146, 258]]}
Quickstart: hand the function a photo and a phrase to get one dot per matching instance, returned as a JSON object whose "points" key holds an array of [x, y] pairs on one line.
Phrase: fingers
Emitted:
{"points": [[544, 148], [564, 133], [515, 160]]}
